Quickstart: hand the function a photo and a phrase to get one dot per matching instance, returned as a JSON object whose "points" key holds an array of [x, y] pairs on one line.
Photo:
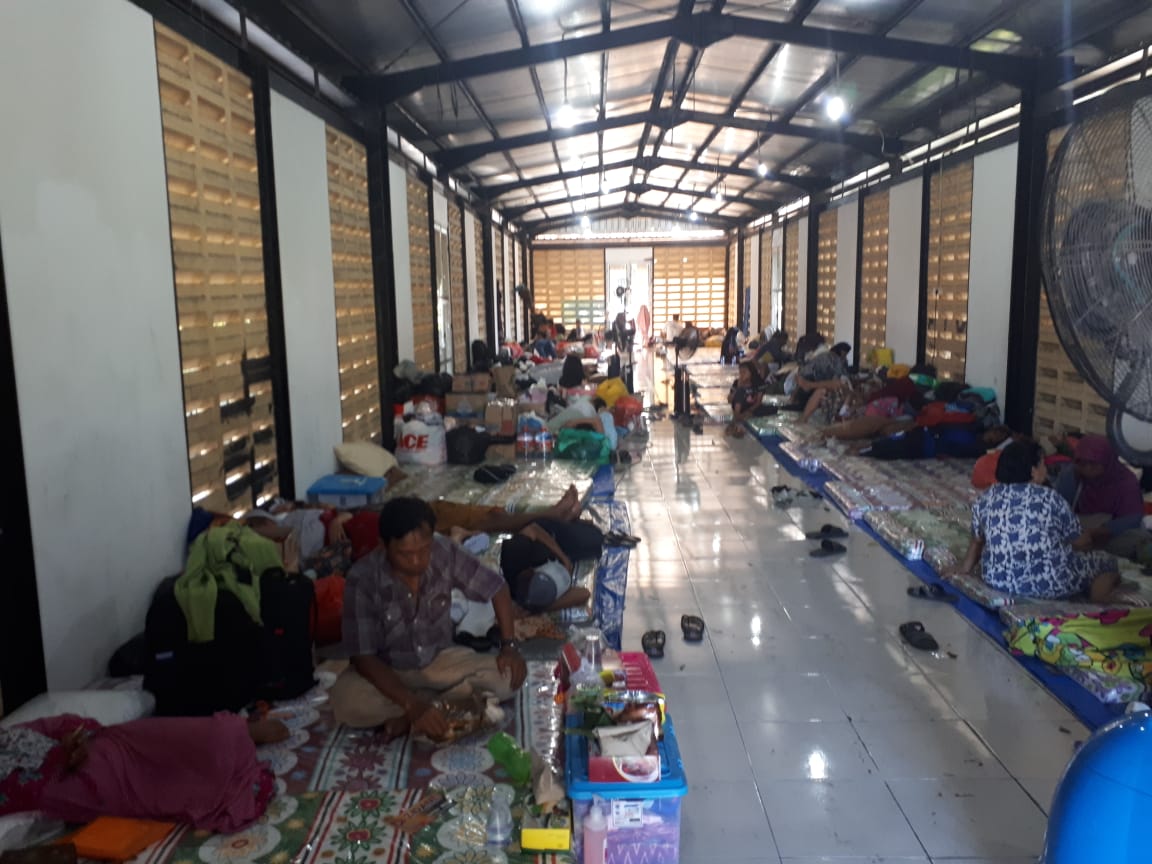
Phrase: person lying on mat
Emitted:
{"points": [[538, 564], [591, 414], [951, 440], [201, 771], [398, 628], [1105, 495], [362, 529], [1027, 539]]}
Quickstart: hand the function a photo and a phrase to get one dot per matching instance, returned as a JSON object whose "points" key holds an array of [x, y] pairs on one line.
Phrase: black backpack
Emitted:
{"points": [[481, 356], [244, 662], [466, 446]]}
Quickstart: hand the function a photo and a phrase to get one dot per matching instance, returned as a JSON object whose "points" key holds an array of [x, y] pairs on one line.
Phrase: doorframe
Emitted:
{"points": [[22, 667]]}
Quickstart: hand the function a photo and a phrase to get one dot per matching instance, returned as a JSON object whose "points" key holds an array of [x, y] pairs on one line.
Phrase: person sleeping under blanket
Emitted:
{"points": [[202, 771]]}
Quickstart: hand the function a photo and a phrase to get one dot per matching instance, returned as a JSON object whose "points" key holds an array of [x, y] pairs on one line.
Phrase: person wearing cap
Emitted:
{"points": [[821, 374], [398, 628], [539, 570]]}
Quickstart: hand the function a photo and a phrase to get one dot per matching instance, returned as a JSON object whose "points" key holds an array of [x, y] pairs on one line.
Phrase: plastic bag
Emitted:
{"points": [[420, 442], [583, 445]]}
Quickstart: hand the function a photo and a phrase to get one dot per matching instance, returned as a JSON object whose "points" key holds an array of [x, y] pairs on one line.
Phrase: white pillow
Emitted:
{"points": [[18, 830], [365, 458], [107, 707]]}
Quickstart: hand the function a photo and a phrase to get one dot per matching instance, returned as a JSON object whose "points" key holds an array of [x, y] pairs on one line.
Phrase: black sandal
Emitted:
{"points": [[828, 548], [827, 532], [930, 592], [692, 627], [653, 643], [914, 634]]}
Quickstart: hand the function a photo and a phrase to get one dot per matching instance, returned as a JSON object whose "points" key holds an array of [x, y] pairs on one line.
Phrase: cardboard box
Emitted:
{"points": [[500, 417], [501, 454], [479, 382], [465, 404], [347, 490]]}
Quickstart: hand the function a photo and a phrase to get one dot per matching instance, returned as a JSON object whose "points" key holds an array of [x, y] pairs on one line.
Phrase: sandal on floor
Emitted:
{"points": [[692, 627], [828, 548], [653, 643], [828, 532], [619, 540], [914, 634], [930, 592]]}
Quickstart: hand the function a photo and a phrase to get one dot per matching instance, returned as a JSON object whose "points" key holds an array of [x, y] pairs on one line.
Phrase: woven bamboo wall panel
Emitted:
{"points": [[730, 314], [792, 279], [456, 285], [689, 281], [478, 228], [765, 280], [874, 274], [423, 293], [569, 285], [826, 275], [1065, 402], [218, 261], [949, 251], [355, 288]]}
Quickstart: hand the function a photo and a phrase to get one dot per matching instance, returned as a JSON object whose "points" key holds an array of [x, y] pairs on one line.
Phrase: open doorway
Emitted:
{"points": [[629, 287]]}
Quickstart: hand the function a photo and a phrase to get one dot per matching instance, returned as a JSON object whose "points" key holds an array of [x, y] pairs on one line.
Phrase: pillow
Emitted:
{"points": [[365, 458], [18, 830], [107, 707]]}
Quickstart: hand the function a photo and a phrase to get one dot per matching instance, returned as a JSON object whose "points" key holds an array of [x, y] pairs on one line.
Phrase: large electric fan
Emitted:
{"points": [[685, 346], [1097, 261]]}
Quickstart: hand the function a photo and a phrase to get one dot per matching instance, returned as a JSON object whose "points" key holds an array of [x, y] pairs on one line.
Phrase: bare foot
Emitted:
{"points": [[266, 731], [570, 504]]}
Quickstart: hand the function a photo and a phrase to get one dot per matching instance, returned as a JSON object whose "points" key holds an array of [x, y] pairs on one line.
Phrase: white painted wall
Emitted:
{"points": [[88, 265], [778, 280], [990, 268], [847, 244], [401, 261], [905, 202], [300, 158], [439, 206], [473, 282], [802, 278]]}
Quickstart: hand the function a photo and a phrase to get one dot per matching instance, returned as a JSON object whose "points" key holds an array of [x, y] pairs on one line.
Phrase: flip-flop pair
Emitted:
{"points": [[930, 592], [692, 627]]}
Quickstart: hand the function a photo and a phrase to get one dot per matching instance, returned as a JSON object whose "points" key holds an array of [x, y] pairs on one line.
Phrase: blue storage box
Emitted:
{"points": [[347, 491], [643, 818]]}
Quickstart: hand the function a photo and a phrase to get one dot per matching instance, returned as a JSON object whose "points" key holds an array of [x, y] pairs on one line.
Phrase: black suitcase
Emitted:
{"points": [[288, 607]]}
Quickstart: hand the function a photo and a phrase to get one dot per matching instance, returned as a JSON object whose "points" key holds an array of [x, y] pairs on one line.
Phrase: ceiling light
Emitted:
{"points": [[719, 196], [565, 116], [762, 169], [835, 108], [693, 216]]}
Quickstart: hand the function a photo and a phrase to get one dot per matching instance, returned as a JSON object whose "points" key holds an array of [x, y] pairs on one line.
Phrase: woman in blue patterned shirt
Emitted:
{"points": [[1027, 539]]}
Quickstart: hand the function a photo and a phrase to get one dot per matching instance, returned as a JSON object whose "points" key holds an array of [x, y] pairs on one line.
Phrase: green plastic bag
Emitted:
{"points": [[583, 445]]}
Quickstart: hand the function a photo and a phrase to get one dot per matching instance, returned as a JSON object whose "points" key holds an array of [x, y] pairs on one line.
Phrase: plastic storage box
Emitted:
{"points": [[643, 818], [347, 490]]}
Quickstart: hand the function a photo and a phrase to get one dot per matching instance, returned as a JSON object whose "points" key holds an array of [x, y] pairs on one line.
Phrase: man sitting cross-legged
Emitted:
{"points": [[398, 628]]}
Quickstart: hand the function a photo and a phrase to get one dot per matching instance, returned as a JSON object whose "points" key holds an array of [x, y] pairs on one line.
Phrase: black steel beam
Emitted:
{"points": [[700, 30], [514, 213], [806, 183], [293, 28], [383, 272], [925, 250], [630, 209], [456, 158], [22, 666], [273, 286]]}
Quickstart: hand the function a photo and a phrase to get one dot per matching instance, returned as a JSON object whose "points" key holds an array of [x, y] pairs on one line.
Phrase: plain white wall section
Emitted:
{"points": [[439, 206], [753, 286], [905, 202], [777, 275], [88, 261], [300, 158], [401, 261], [847, 244], [802, 279], [990, 268], [472, 278]]}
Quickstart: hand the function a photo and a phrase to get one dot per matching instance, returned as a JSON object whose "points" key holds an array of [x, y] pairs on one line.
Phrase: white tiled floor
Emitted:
{"points": [[810, 733]]}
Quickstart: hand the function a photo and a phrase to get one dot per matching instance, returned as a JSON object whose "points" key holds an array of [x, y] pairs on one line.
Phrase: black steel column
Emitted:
{"points": [[383, 270], [925, 245], [22, 669], [741, 288], [812, 289], [859, 280], [432, 259], [489, 283], [1024, 304], [273, 287]]}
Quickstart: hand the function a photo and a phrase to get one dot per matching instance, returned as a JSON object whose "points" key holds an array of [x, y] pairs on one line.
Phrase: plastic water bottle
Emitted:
{"points": [[595, 836], [499, 828]]}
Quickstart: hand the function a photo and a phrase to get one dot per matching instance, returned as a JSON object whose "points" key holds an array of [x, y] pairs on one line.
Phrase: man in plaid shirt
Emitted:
{"points": [[398, 628]]}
